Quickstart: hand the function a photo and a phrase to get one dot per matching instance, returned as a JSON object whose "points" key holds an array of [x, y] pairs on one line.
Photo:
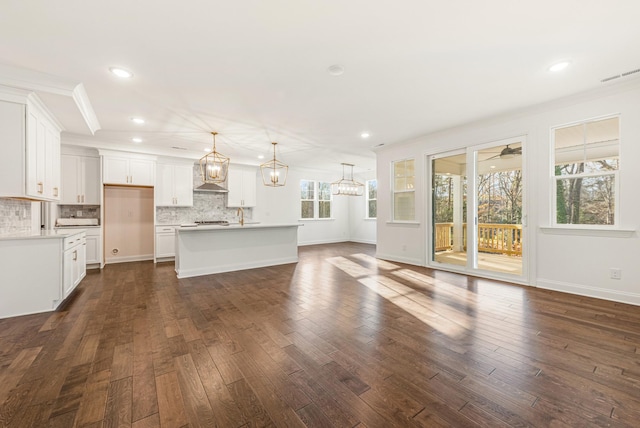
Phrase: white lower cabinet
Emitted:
{"points": [[94, 247], [165, 242], [74, 262], [39, 271]]}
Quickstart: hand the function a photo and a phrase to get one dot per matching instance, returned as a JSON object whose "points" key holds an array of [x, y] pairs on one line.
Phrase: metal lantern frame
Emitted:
{"points": [[214, 166], [274, 172], [347, 186]]}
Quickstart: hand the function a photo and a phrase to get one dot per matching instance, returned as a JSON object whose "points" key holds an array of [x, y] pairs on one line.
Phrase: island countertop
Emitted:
{"points": [[208, 249]]}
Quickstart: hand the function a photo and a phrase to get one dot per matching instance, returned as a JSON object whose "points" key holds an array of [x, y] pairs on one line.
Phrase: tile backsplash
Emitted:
{"points": [[85, 211], [15, 216], [206, 206]]}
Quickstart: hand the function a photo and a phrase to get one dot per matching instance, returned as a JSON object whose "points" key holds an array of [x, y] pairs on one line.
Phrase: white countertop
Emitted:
{"points": [[234, 226], [42, 234]]}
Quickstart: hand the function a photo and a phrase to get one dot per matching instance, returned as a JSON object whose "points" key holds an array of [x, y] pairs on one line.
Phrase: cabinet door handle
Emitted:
{"points": [[75, 255], [82, 198], [40, 187], [77, 198], [55, 191]]}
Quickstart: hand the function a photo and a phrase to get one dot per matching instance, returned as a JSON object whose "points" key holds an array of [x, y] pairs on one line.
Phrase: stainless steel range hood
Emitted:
{"points": [[210, 187]]}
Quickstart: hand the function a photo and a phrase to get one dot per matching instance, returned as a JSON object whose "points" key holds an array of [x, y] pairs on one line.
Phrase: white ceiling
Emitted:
{"points": [[256, 71]]}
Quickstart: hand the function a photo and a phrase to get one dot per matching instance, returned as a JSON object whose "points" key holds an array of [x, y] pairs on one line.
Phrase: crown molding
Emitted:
{"points": [[42, 82]]}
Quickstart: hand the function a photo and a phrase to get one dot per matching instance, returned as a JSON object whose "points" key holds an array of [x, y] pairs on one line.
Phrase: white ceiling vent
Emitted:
{"points": [[617, 76]]}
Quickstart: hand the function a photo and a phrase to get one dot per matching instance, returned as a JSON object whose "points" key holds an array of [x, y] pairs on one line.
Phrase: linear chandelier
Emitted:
{"points": [[274, 172], [214, 166], [349, 186]]}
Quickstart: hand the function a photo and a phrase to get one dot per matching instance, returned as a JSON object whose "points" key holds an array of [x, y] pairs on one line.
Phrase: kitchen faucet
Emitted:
{"points": [[241, 214]]}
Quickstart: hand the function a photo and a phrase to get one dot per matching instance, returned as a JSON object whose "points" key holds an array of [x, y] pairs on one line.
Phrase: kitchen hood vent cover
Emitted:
{"points": [[211, 187]]}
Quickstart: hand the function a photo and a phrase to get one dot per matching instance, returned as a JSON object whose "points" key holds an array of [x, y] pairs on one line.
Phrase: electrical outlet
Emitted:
{"points": [[78, 213], [615, 273]]}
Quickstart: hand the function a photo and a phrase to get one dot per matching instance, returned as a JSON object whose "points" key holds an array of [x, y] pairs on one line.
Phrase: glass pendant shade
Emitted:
{"points": [[347, 186], [274, 173], [214, 166]]}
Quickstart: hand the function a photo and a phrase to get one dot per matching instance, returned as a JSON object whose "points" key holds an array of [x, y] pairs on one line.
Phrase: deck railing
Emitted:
{"points": [[492, 238]]}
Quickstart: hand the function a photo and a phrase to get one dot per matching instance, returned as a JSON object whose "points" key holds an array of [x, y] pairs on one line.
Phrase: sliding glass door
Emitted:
{"points": [[477, 209]]}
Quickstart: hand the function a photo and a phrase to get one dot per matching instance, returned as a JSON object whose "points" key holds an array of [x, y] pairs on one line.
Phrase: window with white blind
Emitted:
{"points": [[585, 173], [403, 190], [372, 199]]}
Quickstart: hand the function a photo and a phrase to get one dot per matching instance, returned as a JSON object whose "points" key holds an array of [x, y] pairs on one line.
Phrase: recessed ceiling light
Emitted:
{"points": [[260, 156], [121, 72], [492, 166], [137, 120], [136, 140], [207, 149], [365, 135], [559, 66], [335, 70]]}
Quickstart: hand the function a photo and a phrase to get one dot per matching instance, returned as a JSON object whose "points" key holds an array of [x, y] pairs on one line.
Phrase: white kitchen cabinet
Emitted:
{"points": [[241, 182], [128, 171], [174, 185], [30, 159], [165, 242], [74, 262], [80, 180], [94, 247], [39, 270]]}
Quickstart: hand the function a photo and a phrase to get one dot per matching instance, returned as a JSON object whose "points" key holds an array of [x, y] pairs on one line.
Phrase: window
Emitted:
{"points": [[372, 198], [315, 199], [324, 198], [403, 190], [307, 198], [586, 163]]}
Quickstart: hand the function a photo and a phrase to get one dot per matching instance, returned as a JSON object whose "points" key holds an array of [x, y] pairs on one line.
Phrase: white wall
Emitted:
{"points": [[575, 263], [361, 229], [282, 205]]}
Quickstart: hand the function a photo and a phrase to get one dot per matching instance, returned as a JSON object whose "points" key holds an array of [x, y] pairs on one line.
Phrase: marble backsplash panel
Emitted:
{"points": [[206, 206], [15, 216], [72, 211]]}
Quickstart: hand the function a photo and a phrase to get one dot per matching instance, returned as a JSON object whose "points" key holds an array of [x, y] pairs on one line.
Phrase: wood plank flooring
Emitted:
{"points": [[339, 339]]}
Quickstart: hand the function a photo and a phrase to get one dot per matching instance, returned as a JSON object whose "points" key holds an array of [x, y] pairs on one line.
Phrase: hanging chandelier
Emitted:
{"points": [[274, 172], [349, 186], [214, 166]]}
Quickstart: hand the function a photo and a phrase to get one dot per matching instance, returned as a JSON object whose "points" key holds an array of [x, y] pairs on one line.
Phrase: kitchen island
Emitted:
{"points": [[205, 250]]}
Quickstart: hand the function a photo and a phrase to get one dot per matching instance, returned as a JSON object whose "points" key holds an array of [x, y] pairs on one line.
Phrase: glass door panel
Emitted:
{"points": [[499, 210], [449, 209]]}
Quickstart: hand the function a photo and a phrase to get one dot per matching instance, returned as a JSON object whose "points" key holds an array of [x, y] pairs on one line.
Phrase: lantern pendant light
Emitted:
{"points": [[274, 172], [349, 186], [214, 166]]}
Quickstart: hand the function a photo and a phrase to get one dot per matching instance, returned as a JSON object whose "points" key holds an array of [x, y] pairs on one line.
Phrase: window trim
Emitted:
{"points": [[581, 228]]}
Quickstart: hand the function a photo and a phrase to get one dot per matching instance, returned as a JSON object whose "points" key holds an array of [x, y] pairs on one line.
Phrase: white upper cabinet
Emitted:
{"points": [[241, 182], [30, 136], [132, 171], [174, 185], [80, 180]]}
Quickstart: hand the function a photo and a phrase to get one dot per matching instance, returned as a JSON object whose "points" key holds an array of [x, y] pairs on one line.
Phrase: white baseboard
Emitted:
{"points": [[126, 259], [585, 290], [364, 241], [322, 241], [394, 258]]}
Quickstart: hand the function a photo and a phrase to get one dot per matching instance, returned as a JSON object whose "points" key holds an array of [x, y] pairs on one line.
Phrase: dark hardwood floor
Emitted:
{"points": [[339, 339]]}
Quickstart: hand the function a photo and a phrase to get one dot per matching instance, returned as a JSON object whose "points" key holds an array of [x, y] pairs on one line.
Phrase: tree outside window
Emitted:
{"points": [[586, 164], [307, 198], [372, 198]]}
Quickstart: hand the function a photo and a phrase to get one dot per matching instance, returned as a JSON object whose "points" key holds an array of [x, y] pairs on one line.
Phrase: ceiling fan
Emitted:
{"points": [[508, 153]]}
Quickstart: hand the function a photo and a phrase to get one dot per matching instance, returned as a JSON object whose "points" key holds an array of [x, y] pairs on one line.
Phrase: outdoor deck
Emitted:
{"points": [[492, 262]]}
